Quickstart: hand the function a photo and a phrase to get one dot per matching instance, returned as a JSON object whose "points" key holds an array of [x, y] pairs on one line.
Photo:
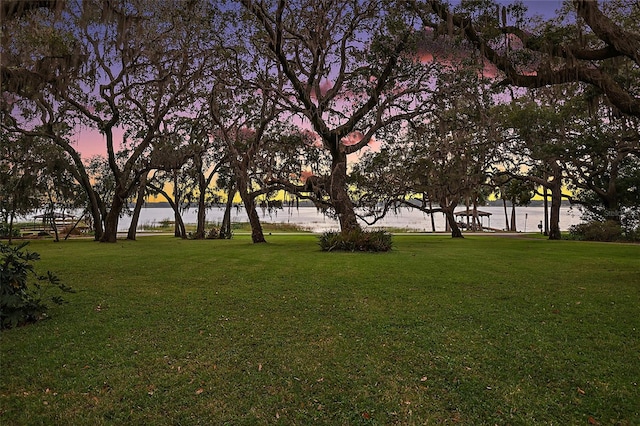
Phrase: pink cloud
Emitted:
{"points": [[324, 87], [352, 138]]}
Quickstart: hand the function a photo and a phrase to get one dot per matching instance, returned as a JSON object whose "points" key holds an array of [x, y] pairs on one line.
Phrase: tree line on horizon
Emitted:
{"points": [[357, 106]]}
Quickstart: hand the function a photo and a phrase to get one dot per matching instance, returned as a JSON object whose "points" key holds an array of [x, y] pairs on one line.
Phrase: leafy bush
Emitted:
{"points": [[596, 231], [372, 241], [22, 290], [4, 231], [224, 235], [213, 233]]}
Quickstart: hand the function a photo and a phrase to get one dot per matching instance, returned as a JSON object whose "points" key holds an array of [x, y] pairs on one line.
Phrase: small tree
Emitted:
{"points": [[442, 158], [18, 177], [533, 146], [35, 176], [23, 292]]}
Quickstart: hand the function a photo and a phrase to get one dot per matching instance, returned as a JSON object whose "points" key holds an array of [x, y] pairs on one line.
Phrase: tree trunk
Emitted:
{"points": [[11, 216], [202, 188], [131, 235], [513, 227], [546, 210], [612, 208], [451, 219], [340, 199], [477, 224], [433, 221], [453, 225], [225, 227], [472, 225], [556, 202], [96, 214], [257, 236], [202, 214], [179, 229], [506, 216], [54, 225], [110, 234]]}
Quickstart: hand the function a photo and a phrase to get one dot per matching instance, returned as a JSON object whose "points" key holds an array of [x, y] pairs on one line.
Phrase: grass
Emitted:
{"points": [[485, 330]]}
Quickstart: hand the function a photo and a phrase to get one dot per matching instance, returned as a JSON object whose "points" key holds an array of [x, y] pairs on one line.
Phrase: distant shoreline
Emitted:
{"points": [[307, 203]]}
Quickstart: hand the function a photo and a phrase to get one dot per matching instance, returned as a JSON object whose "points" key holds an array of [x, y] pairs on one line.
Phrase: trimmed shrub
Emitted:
{"points": [[596, 231], [22, 291], [213, 233], [372, 241]]}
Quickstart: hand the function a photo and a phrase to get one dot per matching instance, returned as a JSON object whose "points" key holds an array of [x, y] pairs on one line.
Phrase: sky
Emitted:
{"points": [[90, 142], [545, 8]]}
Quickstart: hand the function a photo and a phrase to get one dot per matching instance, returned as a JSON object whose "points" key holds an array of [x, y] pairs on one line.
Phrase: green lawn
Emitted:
{"points": [[484, 330]]}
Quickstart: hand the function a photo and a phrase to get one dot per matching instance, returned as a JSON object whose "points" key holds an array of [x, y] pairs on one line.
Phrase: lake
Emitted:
{"points": [[527, 218]]}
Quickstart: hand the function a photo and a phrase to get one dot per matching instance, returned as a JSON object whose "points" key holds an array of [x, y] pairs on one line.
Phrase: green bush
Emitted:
{"points": [[596, 231], [22, 290], [4, 231], [213, 233], [358, 240]]}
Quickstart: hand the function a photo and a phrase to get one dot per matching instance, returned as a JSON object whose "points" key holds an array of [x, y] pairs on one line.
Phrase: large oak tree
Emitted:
{"points": [[349, 72]]}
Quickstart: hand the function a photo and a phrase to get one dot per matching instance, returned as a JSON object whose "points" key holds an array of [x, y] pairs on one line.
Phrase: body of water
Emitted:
{"points": [[527, 218]]}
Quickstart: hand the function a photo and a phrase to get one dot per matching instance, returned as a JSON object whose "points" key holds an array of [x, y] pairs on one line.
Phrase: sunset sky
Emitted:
{"points": [[90, 142]]}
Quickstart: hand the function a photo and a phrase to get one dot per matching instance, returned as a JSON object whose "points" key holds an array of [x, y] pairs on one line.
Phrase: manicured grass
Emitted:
{"points": [[486, 330]]}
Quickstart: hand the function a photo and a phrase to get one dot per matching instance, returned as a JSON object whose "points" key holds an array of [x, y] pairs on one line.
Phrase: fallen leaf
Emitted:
{"points": [[199, 391], [259, 367], [593, 421], [423, 379], [366, 415], [581, 392]]}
